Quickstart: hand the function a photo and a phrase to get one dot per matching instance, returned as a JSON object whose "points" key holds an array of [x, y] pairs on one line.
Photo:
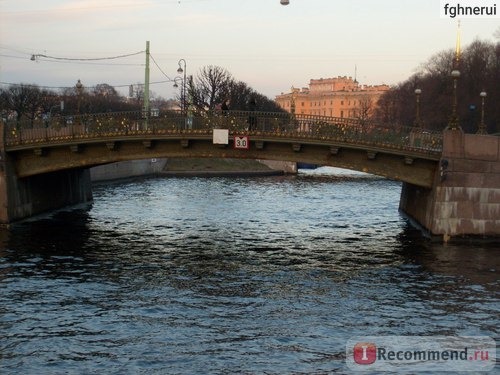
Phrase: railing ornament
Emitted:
{"points": [[296, 128]]}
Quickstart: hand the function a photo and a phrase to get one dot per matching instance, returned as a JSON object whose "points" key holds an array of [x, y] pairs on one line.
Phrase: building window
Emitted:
{"points": [[342, 102], [342, 114]]}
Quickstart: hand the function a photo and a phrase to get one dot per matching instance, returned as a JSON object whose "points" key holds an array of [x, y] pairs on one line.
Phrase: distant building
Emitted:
{"points": [[336, 97]]}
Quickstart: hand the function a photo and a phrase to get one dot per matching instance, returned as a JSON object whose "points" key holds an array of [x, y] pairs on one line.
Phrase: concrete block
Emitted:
{"points": [[486, 211], [481, 147], [465, 165], [453, 144], [466, 209], [495, 167], [493, 196], [468, 226], [472, 194], [492, 227], [446, 226], [491, 180], [463, 179], [445, 210]]}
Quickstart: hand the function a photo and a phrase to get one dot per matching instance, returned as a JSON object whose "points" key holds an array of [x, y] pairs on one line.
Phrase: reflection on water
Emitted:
{"points": [[218, 275]]}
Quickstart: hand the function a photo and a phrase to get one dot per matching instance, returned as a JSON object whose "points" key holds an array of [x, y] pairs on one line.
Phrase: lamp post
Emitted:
{"points": [[176, 85], [79, 90], [454, 120], [292, 102], [175, 81], [418, 123], [482, 125], [183, 95]]}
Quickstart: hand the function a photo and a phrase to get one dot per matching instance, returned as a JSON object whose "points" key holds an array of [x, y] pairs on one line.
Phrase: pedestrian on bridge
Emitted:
{"points": [[252, 120]]}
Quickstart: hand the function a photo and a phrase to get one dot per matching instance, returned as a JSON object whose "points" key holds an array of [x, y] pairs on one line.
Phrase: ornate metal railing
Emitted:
{"points": [[261, 124]]}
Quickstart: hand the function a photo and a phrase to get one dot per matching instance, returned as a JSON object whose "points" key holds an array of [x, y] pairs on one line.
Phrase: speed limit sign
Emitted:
{"points": [[241, 142]]}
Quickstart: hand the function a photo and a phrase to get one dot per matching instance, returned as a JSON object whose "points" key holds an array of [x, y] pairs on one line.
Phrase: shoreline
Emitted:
{"points": [[215, 173]]}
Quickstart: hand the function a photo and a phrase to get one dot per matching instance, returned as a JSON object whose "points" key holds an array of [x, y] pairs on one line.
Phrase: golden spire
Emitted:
{"points": [[457, 48]]}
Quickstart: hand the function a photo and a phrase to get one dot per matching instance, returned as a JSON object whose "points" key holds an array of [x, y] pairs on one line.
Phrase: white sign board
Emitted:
{"points": [[241, 142], [221, 136]]}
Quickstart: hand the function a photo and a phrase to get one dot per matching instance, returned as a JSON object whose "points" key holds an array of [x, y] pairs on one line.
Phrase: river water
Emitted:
{"points": [[232, 275]]}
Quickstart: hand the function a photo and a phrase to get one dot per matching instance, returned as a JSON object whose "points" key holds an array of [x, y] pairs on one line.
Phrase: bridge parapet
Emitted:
{"points": [[269, 124]]}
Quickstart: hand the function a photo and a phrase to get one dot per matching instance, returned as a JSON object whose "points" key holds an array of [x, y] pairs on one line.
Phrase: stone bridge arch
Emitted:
{"points": [[45, 165]]}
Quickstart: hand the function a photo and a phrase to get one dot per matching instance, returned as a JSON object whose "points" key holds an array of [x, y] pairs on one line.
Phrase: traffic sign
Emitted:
{"points": [[241, 142]]}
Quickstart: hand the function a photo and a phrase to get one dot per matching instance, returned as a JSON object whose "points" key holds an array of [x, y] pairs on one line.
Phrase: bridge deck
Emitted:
{"points": [[276, 126]]}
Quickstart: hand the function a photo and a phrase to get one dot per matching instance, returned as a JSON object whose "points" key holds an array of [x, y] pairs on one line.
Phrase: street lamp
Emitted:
{"points": [[482, 125], [175, 81], [183, 95], [284, 2], [292, 102], [418, 124], [79, 90], [176, 85], [454, 121]]}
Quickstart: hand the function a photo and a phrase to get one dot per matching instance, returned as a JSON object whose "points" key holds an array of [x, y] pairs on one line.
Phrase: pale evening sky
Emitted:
{"points": [[269, 46]]}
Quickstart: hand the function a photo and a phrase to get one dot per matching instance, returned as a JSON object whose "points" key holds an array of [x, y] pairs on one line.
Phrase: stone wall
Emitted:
{"points": [[127, 169], [465, 199]]}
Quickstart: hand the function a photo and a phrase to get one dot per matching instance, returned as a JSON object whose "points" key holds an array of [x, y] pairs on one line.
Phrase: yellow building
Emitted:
{"points": [[336, 97]]}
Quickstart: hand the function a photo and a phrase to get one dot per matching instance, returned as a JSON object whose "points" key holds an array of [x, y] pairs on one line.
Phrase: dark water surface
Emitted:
{"points": [[231, 275]]}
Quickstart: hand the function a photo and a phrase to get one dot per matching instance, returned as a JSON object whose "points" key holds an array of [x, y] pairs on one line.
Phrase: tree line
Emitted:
{"points": [[212, 86], [479, 67], [29, 102]]}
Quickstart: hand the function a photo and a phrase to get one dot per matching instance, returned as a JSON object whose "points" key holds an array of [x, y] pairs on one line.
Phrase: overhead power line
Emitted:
{"points": [[35, 56], [70, 87], [160, 69]]}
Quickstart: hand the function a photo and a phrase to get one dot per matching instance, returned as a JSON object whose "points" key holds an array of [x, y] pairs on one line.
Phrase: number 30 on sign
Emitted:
{"points": [[241, 142]]}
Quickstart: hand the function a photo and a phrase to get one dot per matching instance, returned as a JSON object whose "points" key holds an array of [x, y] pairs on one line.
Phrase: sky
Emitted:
{"points": [[269, 46]]}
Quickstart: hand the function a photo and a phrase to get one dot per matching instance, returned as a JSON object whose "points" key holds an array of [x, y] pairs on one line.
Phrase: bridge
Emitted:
{"points": [[45, 163], [401, 153]]}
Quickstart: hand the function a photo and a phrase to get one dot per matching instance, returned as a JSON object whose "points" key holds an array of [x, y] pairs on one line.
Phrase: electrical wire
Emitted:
{"points": [[70, 87], [34, 56], [160, 69]]}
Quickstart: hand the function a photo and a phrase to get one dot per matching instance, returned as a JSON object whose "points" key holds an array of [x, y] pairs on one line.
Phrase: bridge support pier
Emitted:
{"points": [[21, 198], [465, 198]]}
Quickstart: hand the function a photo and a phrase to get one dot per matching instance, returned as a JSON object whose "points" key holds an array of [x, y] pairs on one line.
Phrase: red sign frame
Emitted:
{"points": [[241, 142]]}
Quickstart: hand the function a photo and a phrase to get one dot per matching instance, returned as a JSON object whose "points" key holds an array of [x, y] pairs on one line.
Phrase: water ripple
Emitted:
{"points": [[263, 275]]}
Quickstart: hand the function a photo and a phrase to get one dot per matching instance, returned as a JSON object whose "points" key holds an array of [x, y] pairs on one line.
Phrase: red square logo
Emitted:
{"points": [[365, 353]]}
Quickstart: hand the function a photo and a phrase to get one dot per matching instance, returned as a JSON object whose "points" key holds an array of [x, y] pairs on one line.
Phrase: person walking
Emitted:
{"points": [[252, 119]]}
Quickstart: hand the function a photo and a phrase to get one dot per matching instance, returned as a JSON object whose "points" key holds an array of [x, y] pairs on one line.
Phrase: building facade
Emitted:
{"points": [[336, 97]]}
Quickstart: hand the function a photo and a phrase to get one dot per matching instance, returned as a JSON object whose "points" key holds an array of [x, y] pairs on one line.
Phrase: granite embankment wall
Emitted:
{"points": [[465, 199]]}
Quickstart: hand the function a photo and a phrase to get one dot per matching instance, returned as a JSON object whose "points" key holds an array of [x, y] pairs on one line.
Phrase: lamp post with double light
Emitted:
{"points": [[176, 85], [183, 94]]}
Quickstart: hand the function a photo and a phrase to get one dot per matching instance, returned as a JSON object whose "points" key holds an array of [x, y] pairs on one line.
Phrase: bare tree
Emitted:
{"points": [[214, 84], [26, 100], [479, 67], [210, 87], [365, 108]]}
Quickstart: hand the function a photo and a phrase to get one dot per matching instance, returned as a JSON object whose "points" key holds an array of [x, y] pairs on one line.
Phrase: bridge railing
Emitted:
{"points": [[268, 124]]}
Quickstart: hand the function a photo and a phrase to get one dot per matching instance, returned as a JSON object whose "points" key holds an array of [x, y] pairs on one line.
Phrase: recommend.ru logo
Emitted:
{"points": [[421, 353]]}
